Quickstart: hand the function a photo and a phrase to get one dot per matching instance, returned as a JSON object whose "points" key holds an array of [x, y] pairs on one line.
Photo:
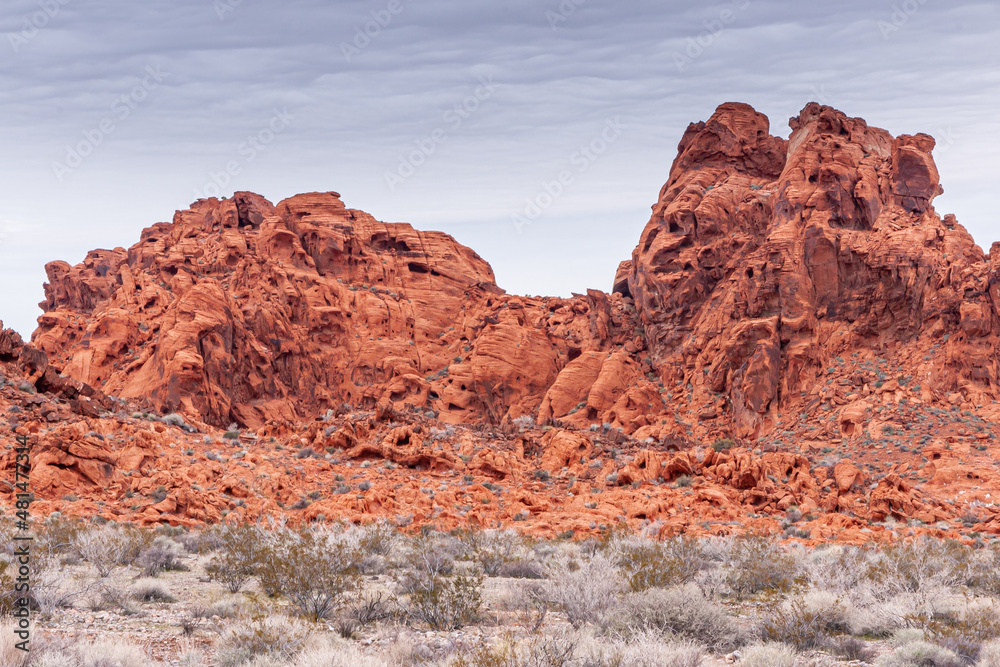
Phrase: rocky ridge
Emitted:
{"points": [[799, 341]]}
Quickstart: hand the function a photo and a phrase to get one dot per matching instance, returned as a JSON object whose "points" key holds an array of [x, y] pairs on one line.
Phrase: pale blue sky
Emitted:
{"points": [[163, 96]]}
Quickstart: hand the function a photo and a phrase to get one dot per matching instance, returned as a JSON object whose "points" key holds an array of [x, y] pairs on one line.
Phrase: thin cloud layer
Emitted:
{"points": [[448, 115]]}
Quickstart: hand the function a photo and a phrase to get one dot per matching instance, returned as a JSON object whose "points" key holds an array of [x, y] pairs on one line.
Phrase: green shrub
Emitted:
{"points": [[241, 552], [444, 602], [314, 570], [723, 444]]}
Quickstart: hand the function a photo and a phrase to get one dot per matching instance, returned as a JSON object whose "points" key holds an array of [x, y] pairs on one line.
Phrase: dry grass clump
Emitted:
{"points": [[151, 590], [270, 637], [989, 654], [582, 650], [110, 652], [681, 613], [772, 654], [913, 651]]}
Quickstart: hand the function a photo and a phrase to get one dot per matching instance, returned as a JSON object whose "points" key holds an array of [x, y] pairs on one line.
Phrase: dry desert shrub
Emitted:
{"points": [[371, 607], [852, 648], [921, 563], [650, 564], [773, 654], [273, 636], [203, 541], [806, 623], [313, 569], [436, 594], [681, 613], [963, 632], [162, 555], [527, 602], [494, 550], [508, 651], [587, 593], [112, 652], [111, 546], [576, 649], [240, 552], [756, 563], [379, 538]]}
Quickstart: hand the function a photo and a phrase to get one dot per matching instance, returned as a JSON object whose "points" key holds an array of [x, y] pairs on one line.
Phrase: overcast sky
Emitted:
{"points": [[450, 115]]}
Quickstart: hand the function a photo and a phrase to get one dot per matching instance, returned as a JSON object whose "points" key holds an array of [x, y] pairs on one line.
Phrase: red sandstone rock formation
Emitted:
{"points": [[247, 312], [798, 333], [765, 261]]}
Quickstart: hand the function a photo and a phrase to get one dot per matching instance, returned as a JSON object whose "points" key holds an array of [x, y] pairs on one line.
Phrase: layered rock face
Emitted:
{"points": [[765, 262], [247, 312]]}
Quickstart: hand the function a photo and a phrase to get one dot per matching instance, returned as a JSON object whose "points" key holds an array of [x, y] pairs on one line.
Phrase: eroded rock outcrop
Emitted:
{"points": [[247, 312], [798, 338], [764, 261]]}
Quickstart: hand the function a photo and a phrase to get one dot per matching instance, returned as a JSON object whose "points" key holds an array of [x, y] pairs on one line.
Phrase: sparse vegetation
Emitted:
{"points": [[623, 600]]}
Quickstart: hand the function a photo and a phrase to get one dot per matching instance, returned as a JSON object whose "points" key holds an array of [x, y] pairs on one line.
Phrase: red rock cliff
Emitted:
{"points": [[766, 260]]}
